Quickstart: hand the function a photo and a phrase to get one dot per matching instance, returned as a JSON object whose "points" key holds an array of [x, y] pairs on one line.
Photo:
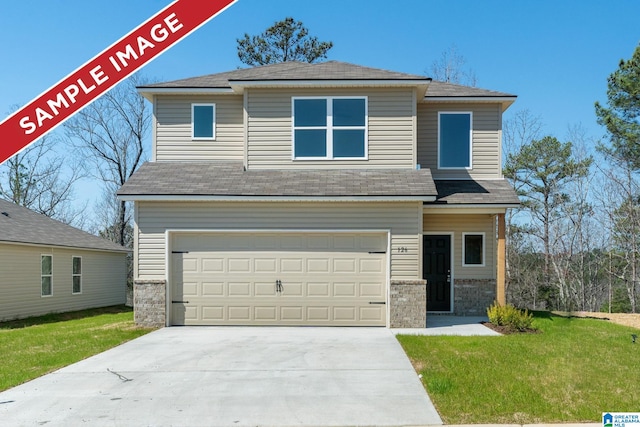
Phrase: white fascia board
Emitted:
{"points": [[71, 248], [149, 92], [506, 101], [469, 208], [187, 198]]}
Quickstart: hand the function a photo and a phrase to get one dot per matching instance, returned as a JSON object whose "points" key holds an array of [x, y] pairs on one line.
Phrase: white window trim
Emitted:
{"points": [[464, 249], [329, 128], [203, 104], [46, 275], [76, 275], [470, 113]]}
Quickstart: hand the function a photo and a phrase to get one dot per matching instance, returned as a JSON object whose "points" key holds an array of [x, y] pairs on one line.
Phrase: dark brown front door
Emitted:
{"points": [[436, 264]]}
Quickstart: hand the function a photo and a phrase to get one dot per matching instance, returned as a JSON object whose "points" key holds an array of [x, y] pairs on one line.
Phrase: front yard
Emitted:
{"points": [[38, 345], [572, 371]]}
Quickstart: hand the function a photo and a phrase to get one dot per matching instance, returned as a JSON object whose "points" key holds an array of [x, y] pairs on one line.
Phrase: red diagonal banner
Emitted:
{"points": [[104, 71]]}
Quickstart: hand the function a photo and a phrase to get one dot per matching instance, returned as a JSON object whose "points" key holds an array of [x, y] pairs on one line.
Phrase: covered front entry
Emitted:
{"points": [[437, 271], [286, 278]]}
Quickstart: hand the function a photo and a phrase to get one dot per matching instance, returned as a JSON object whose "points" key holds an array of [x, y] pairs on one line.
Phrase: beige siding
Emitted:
{"points": [[403, 219], [104, 279], [391, 132], [486, 140], [458, 224], [173, 129]]}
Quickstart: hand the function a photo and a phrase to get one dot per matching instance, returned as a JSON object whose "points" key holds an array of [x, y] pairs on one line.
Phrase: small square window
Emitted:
{"points": [[203, 121], [454, 140], [473, 249]]}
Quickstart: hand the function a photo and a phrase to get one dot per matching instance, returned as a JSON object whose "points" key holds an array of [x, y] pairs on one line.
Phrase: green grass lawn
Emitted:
{"points": [[38, 345], [572, 371]]}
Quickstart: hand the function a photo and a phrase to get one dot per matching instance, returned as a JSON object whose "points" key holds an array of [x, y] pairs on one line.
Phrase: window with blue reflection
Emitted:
{"points": [[455, 140], [329, 128], [203, 121]]}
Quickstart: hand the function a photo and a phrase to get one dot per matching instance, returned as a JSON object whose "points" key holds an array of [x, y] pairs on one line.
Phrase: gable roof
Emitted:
{"points": [[21, 225], [290, 71], [330, 73], [230, 181]]}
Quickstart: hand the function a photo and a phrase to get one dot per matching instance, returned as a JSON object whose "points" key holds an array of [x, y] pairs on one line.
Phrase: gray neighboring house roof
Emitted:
{"points": [[469, 192], [21, 225], [230, 179]]}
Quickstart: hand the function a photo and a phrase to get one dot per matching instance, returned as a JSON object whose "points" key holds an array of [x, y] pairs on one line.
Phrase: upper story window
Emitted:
{"points": [[330, 128], [454, 140], [203, 121]]}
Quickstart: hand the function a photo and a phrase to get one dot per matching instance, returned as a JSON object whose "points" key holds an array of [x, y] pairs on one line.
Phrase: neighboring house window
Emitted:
{"points": [[46, 275], [330, 128], [76, 274], [454, 140], [203, 121], [473, 249]]}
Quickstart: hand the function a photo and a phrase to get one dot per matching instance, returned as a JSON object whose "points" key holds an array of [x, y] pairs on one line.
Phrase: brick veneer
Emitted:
{"points": [[408, 303], [472, 297], [149, 302]]}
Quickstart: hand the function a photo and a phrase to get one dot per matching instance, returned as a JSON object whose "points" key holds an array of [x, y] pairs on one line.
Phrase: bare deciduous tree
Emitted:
{"points": [[42, 180], [110, 134], [450, 68]]}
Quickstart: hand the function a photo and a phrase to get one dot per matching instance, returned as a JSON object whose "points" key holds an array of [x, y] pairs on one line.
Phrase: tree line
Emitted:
{"points": [[574, 244]]}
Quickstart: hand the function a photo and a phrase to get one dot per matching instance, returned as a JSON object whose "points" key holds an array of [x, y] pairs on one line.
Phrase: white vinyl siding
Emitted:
{"points": [[460, 225], [390, 125], [403, 219], [104, 278], [173, 129], [486, 140]]}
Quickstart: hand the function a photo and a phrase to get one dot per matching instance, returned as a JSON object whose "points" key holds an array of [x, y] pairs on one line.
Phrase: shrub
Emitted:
{"points": [[510, 317]]}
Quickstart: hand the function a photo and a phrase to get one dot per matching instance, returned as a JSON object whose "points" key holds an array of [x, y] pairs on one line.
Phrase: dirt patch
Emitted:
{"points": [[626, 319]]}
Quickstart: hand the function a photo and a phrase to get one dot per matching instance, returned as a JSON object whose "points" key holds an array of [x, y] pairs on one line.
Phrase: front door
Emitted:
{"points": [[436, 264]]}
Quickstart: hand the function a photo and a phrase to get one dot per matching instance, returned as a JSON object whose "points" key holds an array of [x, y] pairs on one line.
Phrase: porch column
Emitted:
{"points": [[502, 262]]}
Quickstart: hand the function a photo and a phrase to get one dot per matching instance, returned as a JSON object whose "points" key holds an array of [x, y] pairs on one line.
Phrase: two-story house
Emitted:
{"points": [[319, 194]]}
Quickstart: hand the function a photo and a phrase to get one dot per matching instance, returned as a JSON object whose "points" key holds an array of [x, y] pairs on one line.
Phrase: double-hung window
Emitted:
{"points": [[455, 140], [329, 128], [76, 274], [46, 275], [473, 249], [203, 121]]}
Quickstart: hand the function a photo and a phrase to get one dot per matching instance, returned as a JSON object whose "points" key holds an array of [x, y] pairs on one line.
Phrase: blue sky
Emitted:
{"points": [[554, 54]]}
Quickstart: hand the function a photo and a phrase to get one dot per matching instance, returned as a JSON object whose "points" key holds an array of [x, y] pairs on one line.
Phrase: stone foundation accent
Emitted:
{"points": [[472, 297], [149, 303], [408, 303]]}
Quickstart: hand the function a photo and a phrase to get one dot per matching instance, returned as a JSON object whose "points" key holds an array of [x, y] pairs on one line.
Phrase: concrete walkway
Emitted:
{"points": [[232, 376], [451, 325]]}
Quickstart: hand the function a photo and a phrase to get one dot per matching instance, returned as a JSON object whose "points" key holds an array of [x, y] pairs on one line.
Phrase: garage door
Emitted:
{"points": [[279, 279]]}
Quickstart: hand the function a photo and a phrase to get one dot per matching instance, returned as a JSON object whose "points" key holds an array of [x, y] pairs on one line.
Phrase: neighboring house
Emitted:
{"points": [[47, 266], [319, 194]]}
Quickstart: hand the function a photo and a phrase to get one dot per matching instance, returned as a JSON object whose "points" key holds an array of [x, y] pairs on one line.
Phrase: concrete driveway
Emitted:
{"points": [[232, 376]]}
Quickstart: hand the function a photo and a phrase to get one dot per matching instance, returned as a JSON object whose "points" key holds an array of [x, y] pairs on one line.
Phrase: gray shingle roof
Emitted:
{"points": [[21, 225], [330, 70], [230, 179], [441, 89], [497, 191]]}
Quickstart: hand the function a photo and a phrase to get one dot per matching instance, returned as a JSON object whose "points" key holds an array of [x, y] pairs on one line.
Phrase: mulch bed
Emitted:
{"points": [[505, 330]]}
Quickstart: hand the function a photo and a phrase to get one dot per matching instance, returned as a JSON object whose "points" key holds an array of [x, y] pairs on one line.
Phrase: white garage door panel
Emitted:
{"points": [[230, 279]]}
